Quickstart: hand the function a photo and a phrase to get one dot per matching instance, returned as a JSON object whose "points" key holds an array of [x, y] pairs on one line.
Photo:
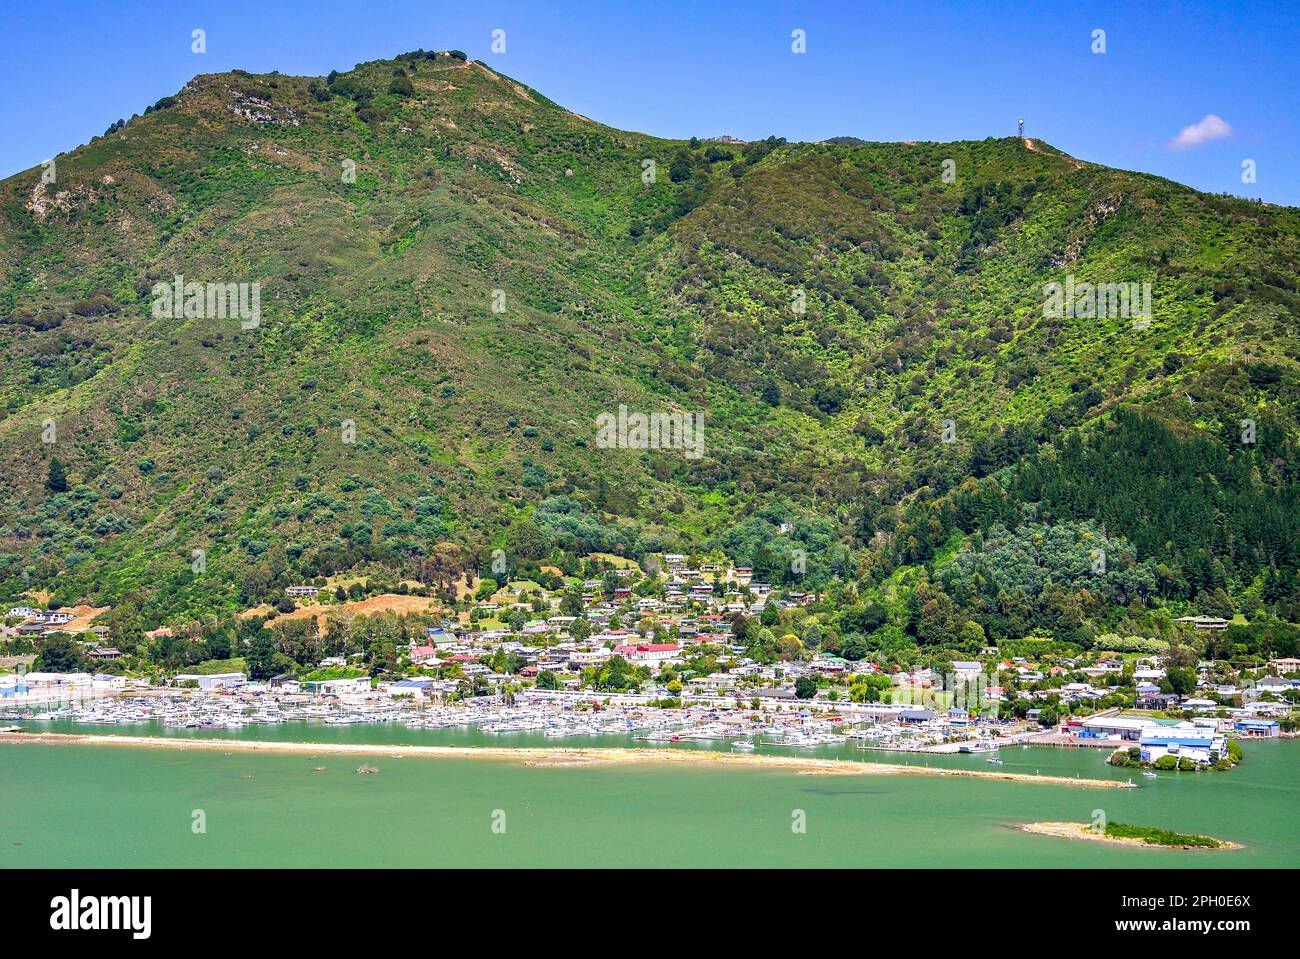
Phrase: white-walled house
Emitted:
{"points": [[648, 654]]}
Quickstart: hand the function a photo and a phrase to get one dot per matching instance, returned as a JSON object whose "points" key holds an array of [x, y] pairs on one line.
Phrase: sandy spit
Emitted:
{"points": [[1080, 830], [556, 756]]}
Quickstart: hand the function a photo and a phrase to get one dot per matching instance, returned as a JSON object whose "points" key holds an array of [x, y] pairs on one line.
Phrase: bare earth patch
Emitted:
{"points": [[82, 617], [385, 603]]}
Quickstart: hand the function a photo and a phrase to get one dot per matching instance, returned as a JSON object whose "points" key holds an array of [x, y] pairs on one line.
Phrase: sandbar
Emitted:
{"points": [[558, 756], [1081, 830]]}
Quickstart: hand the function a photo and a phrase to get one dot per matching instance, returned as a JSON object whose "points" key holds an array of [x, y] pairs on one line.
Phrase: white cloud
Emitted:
{"points": [[1209, 127]]}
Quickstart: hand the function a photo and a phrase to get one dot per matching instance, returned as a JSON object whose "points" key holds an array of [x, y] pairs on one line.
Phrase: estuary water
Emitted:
{"points": [[110, 806]]}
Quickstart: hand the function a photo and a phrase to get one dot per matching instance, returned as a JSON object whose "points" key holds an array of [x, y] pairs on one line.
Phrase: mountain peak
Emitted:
{"points": [[455, 278]]}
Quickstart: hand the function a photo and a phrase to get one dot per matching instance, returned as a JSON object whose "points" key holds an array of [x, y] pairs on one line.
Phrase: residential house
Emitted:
{"points": [[1203, 622]]}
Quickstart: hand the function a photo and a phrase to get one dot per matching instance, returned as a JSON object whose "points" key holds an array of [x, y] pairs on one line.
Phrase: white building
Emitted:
{"points": [[338, 687], [211, 681], [1112, 727], [1199, 745], [58, 679], [648, 654]]}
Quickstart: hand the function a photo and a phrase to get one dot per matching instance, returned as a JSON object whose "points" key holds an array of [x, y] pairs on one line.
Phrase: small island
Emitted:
{"points": [[1124, 834]]}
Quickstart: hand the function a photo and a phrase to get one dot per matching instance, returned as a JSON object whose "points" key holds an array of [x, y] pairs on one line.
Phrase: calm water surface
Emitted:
{"points": [[119, 806]]}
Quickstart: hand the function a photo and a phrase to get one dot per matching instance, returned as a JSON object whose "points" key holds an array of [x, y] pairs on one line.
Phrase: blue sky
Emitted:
{"points": [[911, 70]]}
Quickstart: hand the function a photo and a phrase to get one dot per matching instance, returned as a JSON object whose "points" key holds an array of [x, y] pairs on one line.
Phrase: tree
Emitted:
{"points": [[812, 636], [526, 540], [854, 648], [59, 654], [680, 169], [547, 680], [57, 480], [261, 656], [1181, 680], [869, 687], [972, 635], [805, 687], [862, 619], [571, 602]]}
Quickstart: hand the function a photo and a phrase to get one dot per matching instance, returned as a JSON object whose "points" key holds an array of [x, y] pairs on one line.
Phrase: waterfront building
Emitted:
{"points": [[1200, 746], [211, 681], [1258, 728], [1111, 727], [338, 687]]}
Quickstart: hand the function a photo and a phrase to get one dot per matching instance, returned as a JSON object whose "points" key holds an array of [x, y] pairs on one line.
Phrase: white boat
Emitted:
{"points": [[745, 744], [1149, 775], [995, 762]]}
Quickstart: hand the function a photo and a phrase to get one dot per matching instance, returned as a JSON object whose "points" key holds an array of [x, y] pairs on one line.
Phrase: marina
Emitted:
{"points": [[588, 720]]}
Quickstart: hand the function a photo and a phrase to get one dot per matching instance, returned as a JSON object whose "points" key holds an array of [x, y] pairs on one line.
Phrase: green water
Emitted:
{"points": [[119, 806]]}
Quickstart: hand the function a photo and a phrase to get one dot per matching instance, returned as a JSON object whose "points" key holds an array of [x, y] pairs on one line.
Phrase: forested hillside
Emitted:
{"points": [[457, 276]]}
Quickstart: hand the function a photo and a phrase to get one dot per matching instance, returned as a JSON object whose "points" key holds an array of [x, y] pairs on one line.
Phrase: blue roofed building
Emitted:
{"points": [[1259, 728], [1199, 745]]}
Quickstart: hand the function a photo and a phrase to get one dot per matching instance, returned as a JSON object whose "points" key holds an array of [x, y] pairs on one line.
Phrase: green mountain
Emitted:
{"points": [[457, 277]]}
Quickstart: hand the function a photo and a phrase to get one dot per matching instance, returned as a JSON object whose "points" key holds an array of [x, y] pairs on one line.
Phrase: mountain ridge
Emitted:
{"points": [[922, 302]]}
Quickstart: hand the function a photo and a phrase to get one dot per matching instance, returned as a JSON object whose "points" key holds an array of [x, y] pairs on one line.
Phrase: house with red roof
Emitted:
{"points": [[647, 654]]}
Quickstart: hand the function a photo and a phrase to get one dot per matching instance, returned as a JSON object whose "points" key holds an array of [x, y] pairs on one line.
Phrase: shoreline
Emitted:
{"points": [[1080, 830], [558, 756]]}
